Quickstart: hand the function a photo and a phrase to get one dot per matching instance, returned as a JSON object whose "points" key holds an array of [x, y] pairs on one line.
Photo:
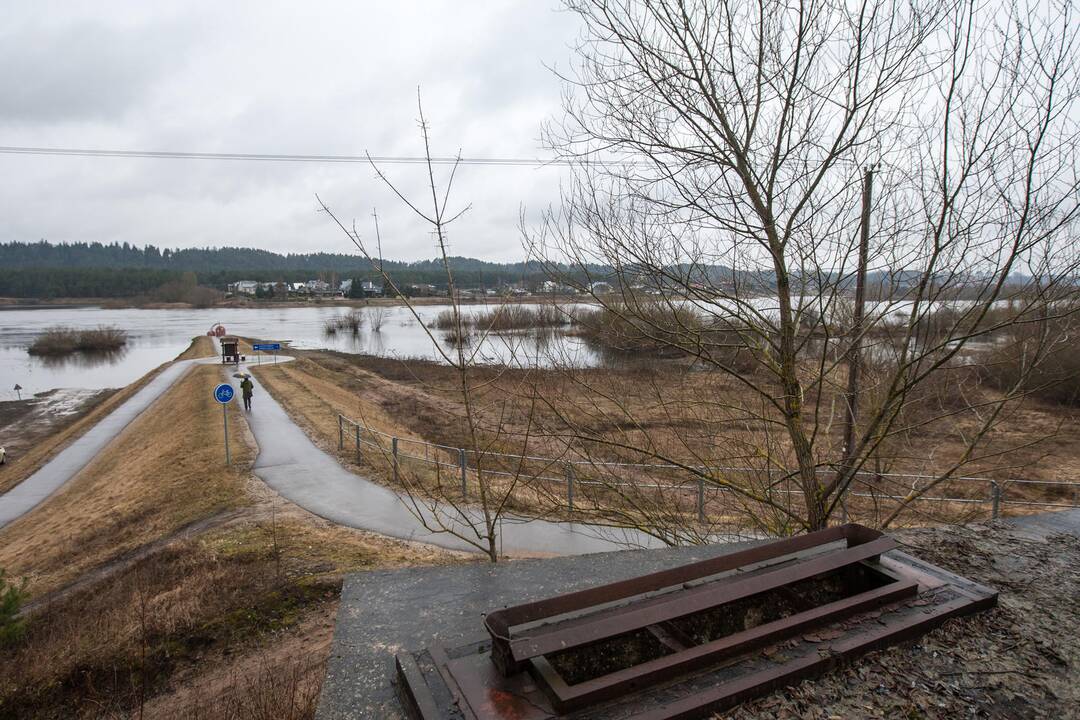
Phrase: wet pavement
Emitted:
{"points": [[1044, 525], [292, 465], [25, 496]]}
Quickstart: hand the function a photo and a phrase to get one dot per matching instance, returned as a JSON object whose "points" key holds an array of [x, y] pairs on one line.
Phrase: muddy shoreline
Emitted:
{"points": [[24, 423]]}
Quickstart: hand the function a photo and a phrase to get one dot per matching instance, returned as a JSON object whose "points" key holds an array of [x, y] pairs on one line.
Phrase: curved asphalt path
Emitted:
{"points": [[301, 472], [297, 469]]}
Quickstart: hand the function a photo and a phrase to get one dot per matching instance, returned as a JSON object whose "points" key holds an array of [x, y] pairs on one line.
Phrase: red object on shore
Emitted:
{"points": [[217, 331]]}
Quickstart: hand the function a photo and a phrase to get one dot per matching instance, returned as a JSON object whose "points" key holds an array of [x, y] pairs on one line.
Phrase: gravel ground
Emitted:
{"points": [[1020, 660]]}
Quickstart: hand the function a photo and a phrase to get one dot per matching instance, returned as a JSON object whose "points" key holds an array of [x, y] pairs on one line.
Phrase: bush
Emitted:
{"points": [[11, 600], [505, 318], [352, 321], [646, 327], [1052, 375], [179, 291], [63, 340]]}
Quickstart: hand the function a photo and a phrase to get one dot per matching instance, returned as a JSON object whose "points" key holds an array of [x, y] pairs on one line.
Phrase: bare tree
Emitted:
{"points": [[440, 506], [720, 153]]}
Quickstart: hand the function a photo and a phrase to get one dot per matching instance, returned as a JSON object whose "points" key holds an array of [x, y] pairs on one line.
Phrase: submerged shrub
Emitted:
{"points": [[351, 321], [505, 318], [63, 340]]}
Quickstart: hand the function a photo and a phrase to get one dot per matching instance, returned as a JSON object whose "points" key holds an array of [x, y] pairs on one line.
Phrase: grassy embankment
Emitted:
{"points": [[21, 466], [420, 400], [164, 584]]}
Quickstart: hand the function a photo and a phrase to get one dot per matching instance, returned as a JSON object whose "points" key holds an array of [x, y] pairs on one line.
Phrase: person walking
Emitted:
{"points": [[247, 388]]}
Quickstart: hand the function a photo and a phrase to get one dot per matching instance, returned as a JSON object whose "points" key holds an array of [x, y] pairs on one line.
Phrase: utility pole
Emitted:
{"points": [[854, 354]]}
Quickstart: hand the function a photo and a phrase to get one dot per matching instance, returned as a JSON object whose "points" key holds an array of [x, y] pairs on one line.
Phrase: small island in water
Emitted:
{"points": [[65, 340]]}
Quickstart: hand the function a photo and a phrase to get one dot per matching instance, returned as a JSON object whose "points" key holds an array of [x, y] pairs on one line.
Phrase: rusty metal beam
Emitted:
{"points": [[499, 622], [568, 697], [581, 631], [686, 667]]}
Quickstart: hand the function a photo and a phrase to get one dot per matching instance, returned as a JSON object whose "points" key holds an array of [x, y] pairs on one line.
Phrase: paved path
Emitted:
{"points": [[290, 463], [68, 462], [1045, 524], [293, 466]]}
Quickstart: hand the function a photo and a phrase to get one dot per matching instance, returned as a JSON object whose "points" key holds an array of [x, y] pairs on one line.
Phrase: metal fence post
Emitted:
{"points": [[570, 486], [393, 450], [463, 462], [358, 440], [340, 432], [995, 499], [701, 500]]}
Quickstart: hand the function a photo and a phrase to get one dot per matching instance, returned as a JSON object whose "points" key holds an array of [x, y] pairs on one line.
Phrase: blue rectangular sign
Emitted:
{"points": [[267, 346]]}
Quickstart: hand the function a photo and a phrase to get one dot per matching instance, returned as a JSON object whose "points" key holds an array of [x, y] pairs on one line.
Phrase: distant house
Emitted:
{"points": [[553, 288], [601, 288], [366, 289], [243, 287], [421, 290]]}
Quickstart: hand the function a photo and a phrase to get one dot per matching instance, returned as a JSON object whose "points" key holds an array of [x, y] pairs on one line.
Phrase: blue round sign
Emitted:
{"points": [[224, 393]]}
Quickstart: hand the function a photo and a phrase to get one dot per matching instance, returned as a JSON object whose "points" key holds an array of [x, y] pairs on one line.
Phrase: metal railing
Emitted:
{"points": [[565, 473]]}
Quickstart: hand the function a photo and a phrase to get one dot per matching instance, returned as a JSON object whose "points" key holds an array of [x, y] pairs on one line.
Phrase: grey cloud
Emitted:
{"points": [[81, 70], [320, 78]]}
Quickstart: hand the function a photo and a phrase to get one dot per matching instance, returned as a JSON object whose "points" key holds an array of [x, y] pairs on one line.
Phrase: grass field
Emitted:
{"points": [[164, 584], [681, 414]]}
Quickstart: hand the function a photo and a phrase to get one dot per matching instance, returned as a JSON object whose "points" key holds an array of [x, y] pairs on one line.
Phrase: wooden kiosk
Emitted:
{"points": [[230, 350]]}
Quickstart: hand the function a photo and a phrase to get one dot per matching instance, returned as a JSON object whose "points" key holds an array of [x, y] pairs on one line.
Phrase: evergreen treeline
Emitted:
{"points": [[211, 260], [46, 270], [82, 282]]}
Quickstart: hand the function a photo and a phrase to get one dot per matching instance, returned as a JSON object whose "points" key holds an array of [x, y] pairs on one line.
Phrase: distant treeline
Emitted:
{"points": [[82, 282], [206, 261], [46, 270], [47, 283]]}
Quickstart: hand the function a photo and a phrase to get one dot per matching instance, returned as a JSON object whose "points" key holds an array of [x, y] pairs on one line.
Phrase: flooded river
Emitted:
{"points": [[155, 336]]}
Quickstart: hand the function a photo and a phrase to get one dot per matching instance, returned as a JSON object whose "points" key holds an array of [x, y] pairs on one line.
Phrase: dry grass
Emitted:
{"points": [[237, 617], [351, 321], [505, 318], [151, 601], [19, 468], [200, 347], [680, 413], [275, 681], [165, 469]]}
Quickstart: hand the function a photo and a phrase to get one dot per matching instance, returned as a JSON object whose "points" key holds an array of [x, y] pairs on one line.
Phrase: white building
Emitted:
{"points": [[243, 287]]}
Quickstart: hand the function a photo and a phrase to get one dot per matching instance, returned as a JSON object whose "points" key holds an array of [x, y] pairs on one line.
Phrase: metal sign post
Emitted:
{"points": [[267, 346], [224, 394]]}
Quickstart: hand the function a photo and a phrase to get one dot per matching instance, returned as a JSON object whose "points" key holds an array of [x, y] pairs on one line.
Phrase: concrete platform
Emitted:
{"points": [[383, 613]]}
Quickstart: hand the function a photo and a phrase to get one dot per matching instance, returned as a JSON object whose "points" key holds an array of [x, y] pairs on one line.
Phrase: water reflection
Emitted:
{"points": [[156, 336], [84, 359]]}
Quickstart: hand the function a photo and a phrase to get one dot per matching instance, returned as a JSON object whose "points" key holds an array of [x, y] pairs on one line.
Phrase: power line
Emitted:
{"points": [[379, 159], [268, 157]]}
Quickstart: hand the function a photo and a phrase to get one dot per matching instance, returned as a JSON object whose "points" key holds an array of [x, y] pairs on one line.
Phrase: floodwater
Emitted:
{"points": [[156, 336]]}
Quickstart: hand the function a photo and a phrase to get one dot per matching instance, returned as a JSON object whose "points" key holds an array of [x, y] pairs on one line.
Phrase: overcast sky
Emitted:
{"points": [[272, 77]]}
